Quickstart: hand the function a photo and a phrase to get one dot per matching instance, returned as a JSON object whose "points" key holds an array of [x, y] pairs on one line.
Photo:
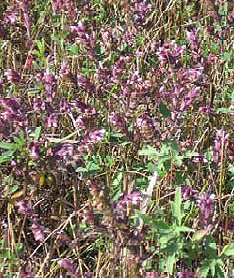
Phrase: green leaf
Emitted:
{"points": [[199, 235], [6, 156], [148, 151], [64, 34], [146, 219], [164, 110], [117, 135], [183, 229], [34, 90], [161, 225], [56, 39], [171, 259], [17, 140], [74, 49], [116, 194], [189, 154], [21, 135], [125, 143], [228, 250], [14, 188], [41, 46], [220, 269], [152, 167], [37, 133], [224, 110], [212, 267], [93, 166], [176, 207], [81, 169], [8, 146], [226, 56], [204, 268], [117, 181]]}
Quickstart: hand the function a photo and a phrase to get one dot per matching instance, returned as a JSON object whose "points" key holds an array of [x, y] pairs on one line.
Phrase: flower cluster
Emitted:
{"points": [[37, 229]]}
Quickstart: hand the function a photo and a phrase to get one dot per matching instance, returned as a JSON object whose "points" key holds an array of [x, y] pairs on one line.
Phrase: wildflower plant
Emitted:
{"points": [[116, 143]]}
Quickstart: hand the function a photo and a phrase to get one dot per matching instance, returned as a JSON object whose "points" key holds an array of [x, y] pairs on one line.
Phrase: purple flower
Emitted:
{"points": [[67, 264], [26, 273], [188, 193], [38, 105], [80, 105], [134, 198], [222, 137], [187, 274], [188, 100], [50, 78], [120, 211], [96, 136], [64, 150], [11, 18], [80, 122], [89, 111], [205, 109], [23, 208], [84, 82], [52, 120], [34, 149], [64, 105], [12, 76], [40, 76], [207, 205], [170, 52], [143, 122], [152, 275], [65, 73], [135, 78], [117, 120], [10, 104], [106, 36], [199, 158], [38, 232]]}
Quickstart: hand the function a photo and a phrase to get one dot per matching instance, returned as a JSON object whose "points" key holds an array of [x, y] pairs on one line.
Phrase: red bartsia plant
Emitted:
{"points": [[207, 208], [37, 229], [221, 142], [206, 203], [66, 7], [12, 76]]}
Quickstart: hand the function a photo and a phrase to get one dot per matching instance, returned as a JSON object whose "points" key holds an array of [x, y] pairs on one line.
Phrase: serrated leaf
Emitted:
{"points": [[164, 110], [204, 269], [148, 151], [211, 247], [152, 167], [161, 225]]}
